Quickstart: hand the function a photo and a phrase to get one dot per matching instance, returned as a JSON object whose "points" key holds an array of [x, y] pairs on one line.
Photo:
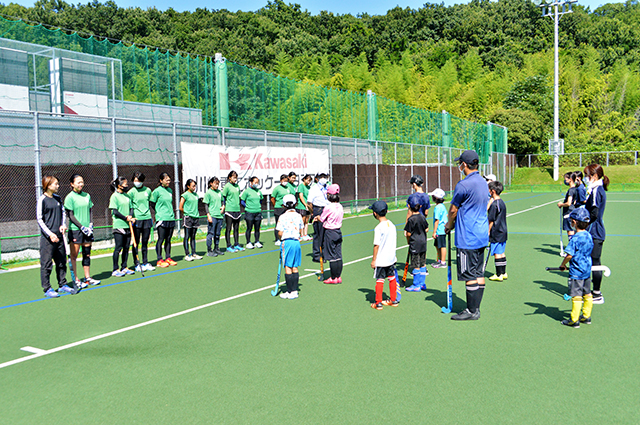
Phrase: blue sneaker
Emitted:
{"points": [[67, 290], [231, 249], [118, 273], [414, 288], [238, 248], [51, 293], [128, 271]]}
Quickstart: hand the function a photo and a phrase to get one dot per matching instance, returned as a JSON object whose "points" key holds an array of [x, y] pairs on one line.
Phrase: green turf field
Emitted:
{"points": [[328, 357]]}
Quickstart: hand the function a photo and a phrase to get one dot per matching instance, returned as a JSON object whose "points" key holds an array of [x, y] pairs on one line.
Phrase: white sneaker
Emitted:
{"points": [[148, 268], [284, 295], [249, 246], [278, 243], [196, 257], [293, 295], [140, 269], [258, 245], [188, 258]]}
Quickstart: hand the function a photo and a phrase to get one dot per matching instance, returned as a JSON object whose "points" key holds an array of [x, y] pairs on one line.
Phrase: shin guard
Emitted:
{"points": [[86, 256]]}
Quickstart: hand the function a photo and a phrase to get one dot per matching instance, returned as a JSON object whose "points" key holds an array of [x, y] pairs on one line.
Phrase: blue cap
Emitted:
{"points": [[580, 214], [379, 207], [414, 201]]}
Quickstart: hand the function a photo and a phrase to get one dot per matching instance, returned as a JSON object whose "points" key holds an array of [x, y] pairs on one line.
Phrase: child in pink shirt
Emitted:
{"points": [[331, 219]]}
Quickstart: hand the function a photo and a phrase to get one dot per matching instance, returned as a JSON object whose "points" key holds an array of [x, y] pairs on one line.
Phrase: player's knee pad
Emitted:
{"points": [[86, 256]]}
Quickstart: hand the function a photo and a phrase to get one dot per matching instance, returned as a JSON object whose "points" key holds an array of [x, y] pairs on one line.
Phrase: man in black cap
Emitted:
{"points": [[469, 206], [416, 182]]}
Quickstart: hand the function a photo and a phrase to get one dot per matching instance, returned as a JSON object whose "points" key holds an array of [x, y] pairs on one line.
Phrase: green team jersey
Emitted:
{"points": [[140, 202], [190, 204], [80, 204], [279, 192], [293, 189], [231, 195], [122, 203], [163, 198], [304, 190], [252, 197], [213, 198]]}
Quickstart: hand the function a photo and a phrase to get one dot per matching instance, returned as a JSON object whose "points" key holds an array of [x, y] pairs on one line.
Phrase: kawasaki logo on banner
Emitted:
{"points": [[201, 162]]}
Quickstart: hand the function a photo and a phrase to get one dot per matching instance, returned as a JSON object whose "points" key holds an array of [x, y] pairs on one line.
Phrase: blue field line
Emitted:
{"points": [[173, 271], [556, 234]]}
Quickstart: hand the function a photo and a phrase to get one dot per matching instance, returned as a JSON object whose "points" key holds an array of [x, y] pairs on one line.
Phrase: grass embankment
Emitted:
{"points": [[622, 177]]}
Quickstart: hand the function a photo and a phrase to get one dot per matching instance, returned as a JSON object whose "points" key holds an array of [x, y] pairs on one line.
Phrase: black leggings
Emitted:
{"points": [[145, 233], [227, 233], [189, 240], [596, 253], [122, 244], [164, 237], [255, 224]]}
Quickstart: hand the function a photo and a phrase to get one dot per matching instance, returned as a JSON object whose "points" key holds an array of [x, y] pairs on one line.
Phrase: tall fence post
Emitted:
{"points": [[268, 196], [222, 95], [36, 152], [529, 160], [176, 175], [395, 168], [411, 152], [426, 167], [450, 171], [635, 162], [439, 169], [377, 181], [607, 159], [330, 156], [504, 167], [355, 149], [114, 149], [372, 115]]}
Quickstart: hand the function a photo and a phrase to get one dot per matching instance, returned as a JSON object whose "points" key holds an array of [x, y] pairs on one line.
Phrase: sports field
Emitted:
{"points": [[205, 342]]}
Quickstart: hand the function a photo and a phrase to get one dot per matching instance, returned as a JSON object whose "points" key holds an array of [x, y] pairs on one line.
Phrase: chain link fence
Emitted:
{"points": [[34, 144], [580, 159]]}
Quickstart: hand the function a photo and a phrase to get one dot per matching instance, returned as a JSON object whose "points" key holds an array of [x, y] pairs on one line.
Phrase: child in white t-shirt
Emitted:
{"points": [[384, 256]]}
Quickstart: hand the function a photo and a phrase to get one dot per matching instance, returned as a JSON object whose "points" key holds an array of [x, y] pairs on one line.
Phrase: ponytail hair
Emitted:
{"points": [[138, 175], [597, 170], [162, 177], [117, 182], [188, 183]]}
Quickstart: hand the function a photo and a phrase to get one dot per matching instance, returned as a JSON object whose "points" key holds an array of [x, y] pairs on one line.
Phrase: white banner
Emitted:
{"points": [[201, 162]]}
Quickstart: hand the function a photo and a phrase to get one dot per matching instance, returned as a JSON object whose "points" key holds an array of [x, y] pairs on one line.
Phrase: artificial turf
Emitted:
{"points": [[327, 357]]}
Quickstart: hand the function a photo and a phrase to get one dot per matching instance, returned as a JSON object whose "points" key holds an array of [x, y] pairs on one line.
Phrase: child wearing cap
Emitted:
{"points": [[384, 255], [497, 215], [440, 218], [415, 230], [579, 258], [288, 228], [331, 219]]}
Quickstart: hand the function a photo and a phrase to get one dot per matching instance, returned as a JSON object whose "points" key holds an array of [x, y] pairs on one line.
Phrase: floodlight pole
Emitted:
{"points": [[552, 9]]}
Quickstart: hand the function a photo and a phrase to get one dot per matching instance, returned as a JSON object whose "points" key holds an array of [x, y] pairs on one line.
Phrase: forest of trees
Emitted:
{"points": [[483, 61]]}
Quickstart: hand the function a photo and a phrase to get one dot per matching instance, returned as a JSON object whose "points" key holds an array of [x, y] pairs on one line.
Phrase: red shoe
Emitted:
{"points": [[170, 262], [339, 280], [331, 281], [162, 264]]}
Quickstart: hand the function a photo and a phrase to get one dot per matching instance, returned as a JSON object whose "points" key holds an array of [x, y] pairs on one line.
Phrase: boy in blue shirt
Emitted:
{"points": [[579, 259]]}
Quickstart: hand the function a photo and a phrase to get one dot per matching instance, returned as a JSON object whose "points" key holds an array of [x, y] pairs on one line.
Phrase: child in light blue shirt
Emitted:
{"points": [[440, 218]]}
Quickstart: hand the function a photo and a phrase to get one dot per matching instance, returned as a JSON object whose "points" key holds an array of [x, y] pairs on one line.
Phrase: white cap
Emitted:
{"points": [[490, 177], [438, 193], [289, 199]]}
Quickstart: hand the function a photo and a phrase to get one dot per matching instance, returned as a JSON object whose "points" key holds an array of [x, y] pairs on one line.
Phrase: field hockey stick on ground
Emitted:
{"points": [[449, 306], [76, 288], [135, 249], [274, 292], [406, 266], [604, 269], [561, 222]]}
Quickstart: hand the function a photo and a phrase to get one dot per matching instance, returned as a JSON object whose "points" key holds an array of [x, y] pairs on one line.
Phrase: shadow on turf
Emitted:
{"points": [[551, 312], [552, 250], [439, 298], [553, 287]]}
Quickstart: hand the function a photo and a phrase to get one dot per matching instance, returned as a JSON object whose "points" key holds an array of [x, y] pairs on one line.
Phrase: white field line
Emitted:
{"points": [[41, 353]]}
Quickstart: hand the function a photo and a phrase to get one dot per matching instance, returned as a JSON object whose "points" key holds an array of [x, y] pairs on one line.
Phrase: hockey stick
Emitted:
{"points": [[486, 263], [606, 271], [321, 275], [406, 266], [134, 251], [274, 292], [449, 306], [561, 245], [76, 288]]}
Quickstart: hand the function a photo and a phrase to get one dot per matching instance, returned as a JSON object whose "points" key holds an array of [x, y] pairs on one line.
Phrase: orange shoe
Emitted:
{"points": [[162, 264], [390, 303], [170, 262]]}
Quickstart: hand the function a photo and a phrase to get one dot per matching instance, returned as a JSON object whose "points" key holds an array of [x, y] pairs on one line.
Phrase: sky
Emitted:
{"points": [[372, 7]]}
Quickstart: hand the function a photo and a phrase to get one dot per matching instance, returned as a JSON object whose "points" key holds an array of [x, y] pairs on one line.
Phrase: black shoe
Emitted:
{"points": [[212, 253], [218, 251], [585, 320], [466, 315], [568, 322]]}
